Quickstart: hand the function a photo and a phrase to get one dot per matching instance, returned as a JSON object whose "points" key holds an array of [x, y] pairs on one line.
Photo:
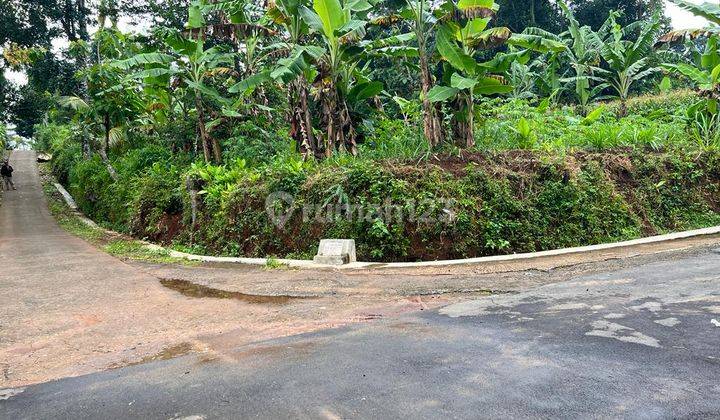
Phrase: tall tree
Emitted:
{"points": [[7, 92], [463, 34], [520, 14], [168, 13], [294, 71], [593, 13]]}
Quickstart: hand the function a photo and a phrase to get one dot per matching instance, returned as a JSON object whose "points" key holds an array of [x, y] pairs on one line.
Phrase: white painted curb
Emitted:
{"points": [[66, 196], [74, 207], [447, 263]]}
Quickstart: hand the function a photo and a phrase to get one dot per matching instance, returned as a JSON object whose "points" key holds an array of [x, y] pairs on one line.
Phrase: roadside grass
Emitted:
{"points": [[68, 220], [135, 250], [275, 264], [114, 244]]}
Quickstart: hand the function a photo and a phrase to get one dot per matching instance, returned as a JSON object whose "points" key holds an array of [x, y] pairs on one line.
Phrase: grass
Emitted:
{"points": [[138, 251], [70, 221], [273, 263]]}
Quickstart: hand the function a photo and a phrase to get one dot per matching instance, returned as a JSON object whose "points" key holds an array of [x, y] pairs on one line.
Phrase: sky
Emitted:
{"points": [[680, 20]]}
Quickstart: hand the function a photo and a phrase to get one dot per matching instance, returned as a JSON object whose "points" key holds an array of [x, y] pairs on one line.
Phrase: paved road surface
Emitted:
{"points": [[640, 342], [69, 309]]}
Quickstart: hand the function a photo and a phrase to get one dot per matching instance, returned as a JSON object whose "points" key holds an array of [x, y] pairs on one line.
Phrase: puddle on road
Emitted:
{"points": [[165, 354], [169, 353], [190, 289]]}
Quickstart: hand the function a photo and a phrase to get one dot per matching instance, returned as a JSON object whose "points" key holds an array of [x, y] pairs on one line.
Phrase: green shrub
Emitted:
{"points": [[157, 205], [540, 178], [52, 138], [64, 160]]}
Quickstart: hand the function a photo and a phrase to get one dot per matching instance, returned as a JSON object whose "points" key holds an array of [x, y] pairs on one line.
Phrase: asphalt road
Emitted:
{"points": [[642, 342]]}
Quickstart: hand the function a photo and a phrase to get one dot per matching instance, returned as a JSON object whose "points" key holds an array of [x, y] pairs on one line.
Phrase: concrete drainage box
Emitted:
{"points": [[336, 252]]}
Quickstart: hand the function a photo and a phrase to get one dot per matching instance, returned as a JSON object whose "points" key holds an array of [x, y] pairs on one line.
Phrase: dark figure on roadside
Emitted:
{"points": [[6, 172]]}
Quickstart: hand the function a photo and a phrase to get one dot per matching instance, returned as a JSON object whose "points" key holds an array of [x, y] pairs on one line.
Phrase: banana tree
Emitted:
{"points": [[546, 76], [628, 62], [579, 46], [704, 70], [340, 26], [193, 66], [196, 67], [293, 69], [583, 54], [710, 11], [243, 24], [419, 12], [464, 78]]}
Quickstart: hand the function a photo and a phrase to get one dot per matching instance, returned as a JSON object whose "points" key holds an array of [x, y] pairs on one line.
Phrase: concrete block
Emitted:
{"points": [[336, 252]]}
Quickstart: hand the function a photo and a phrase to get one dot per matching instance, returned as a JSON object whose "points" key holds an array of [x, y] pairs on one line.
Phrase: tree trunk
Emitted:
{"points": [[217, 150], [106, 125], [532, 13], [623, 108], [332, 131], [348, 130], [337, 122], [82, 21], [463, 122], [85, 138], [300, 120], [307, 118], [432, 126], [203, 131], [470, 130], [106, 148], [110, 169]]}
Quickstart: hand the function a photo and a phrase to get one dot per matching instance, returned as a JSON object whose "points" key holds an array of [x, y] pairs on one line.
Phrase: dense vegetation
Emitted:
{"points": [[3, 139], [485, 140]]}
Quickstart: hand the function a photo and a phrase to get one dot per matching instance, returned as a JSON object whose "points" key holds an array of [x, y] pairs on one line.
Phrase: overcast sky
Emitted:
{"points": [[680, 19]]}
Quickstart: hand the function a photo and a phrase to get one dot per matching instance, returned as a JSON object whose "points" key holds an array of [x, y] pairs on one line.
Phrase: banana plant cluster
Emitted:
{"points": [[464, 32], [703, 71], [220, 68], [597, 62], [628, 62], [325, 59], [341, 27]]}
